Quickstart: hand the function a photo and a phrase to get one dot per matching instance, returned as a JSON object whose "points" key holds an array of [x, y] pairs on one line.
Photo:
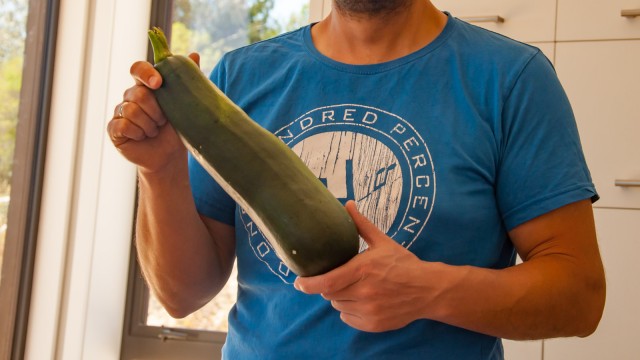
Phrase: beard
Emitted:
{"points": [[370, 7]]}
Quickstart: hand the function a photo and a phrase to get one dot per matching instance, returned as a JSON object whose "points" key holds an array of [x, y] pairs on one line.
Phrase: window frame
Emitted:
{"points": [[141, 341], [27, 176]]}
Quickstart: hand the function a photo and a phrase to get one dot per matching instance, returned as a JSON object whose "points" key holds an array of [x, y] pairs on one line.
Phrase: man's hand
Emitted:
{"points": [[139, 128], [376, 290], [558, 290]]}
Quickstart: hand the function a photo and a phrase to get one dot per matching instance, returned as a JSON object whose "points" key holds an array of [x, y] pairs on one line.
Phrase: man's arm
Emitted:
{"points": [[185, 258], [558, 290]]}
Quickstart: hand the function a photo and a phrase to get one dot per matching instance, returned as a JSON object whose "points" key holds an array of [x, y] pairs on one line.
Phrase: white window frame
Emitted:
{"points": [[81, 263], [85, 225], [27, 176]]}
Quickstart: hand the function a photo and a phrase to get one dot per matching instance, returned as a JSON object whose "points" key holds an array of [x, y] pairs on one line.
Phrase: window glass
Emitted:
{"points": [[212, 28], [13, 20]]}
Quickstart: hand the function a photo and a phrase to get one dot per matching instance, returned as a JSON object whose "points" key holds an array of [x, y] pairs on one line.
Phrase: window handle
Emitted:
{"points": [[489, 18], [170, 334], [627, 183], [630, 13]]}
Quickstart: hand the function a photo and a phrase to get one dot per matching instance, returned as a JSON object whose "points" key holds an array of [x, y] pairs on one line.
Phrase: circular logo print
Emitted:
{"points": [[367, 155]]}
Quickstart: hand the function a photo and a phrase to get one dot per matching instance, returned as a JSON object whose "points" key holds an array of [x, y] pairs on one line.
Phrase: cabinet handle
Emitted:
{"points": [[630, 13], [628, 183], [491, 18]]}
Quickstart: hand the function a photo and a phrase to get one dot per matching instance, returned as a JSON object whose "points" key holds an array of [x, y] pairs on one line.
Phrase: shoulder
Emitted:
{"points": [[266, 51], [477, 37], [491, 62], [482, 46], [259, 60]]}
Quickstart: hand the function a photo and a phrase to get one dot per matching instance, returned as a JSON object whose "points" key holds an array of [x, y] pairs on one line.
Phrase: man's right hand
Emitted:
{"points": [[139, 129]]}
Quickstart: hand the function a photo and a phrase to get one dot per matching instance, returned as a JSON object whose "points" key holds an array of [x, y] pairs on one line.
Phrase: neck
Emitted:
{"points": [[361, 39]]}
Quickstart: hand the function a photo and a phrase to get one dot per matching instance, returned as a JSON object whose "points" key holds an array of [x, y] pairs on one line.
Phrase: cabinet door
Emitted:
{"points": [[527, 21], [619, 331], [598, 19], [548, 49], [603, 83], [522, 350]]}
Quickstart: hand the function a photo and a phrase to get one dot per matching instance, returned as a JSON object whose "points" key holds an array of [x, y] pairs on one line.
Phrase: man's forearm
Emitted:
{"points": [[176, 251], [543, 298]]}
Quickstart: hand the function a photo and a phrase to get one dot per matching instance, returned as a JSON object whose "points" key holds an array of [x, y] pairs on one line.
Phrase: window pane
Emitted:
{"points": [[13, 22], [212, 28]]}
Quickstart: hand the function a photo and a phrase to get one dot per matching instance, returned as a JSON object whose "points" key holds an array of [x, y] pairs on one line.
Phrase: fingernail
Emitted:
{"points": [[154, 81], [297, 286]]}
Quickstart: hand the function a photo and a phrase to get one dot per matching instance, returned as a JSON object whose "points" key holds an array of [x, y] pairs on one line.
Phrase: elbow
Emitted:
{"points": [[179, 306], [177, 312], [594, 298], [594, 310]]}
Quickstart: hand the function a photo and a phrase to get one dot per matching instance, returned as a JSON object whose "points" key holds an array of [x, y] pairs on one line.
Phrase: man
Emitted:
{"points": [[452, 148]]}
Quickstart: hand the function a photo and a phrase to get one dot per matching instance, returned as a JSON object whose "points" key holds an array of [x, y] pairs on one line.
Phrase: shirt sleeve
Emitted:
{"points": [[210, 198], [542, 165]]}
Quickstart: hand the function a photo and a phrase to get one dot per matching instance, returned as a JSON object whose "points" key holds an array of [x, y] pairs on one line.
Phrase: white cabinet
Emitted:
{"points": [[548, 49], [598, 19], [527, 21], [603, 83], [522, 350], [618, 335]]}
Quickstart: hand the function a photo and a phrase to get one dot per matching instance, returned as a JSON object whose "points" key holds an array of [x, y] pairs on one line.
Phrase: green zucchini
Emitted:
{"points": [[306, 225]]}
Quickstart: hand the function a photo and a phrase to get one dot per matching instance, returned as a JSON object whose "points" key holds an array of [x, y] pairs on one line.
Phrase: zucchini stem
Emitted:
{"points": [[160, 45]]}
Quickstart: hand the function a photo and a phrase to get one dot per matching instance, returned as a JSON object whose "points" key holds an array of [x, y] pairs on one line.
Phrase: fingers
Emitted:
{"points": [[331, 282], [133, 113], [145, 74], [195, 57], [369, 232], [347, 307], [121, 130], [145, 104], [138, 117], [353, 271]]}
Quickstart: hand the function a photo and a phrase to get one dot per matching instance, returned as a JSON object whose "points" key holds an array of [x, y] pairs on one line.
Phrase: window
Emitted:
{"points": [[27, 33], [211, 28]]}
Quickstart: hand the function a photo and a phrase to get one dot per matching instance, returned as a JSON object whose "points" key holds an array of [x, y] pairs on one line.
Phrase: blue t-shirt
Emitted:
{"points": [[446, 150]]}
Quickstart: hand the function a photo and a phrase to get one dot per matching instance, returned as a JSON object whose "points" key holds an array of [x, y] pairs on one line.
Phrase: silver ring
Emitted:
{"points": [[120, 110]]}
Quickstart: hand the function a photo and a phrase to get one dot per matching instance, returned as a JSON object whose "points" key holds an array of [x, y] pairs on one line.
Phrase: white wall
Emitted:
{"points": [[77, 305]]}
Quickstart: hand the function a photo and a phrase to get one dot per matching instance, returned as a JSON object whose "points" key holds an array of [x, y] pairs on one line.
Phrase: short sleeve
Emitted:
{"points": [[210, 198], [219, 74], [542, 165]]}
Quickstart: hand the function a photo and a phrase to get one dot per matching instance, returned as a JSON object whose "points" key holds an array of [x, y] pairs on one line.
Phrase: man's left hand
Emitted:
{"points": [[383, 288]]}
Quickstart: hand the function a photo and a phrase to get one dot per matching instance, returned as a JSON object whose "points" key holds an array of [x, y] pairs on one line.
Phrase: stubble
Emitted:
{"points": [[370, 8]]}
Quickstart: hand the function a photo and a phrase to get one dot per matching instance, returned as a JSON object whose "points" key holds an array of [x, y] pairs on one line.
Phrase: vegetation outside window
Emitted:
{"points": [[13, 25], [27, 35]]}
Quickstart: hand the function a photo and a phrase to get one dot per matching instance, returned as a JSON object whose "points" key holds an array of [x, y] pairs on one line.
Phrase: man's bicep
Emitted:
{"points": [[562, 249], [568, 230]]}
